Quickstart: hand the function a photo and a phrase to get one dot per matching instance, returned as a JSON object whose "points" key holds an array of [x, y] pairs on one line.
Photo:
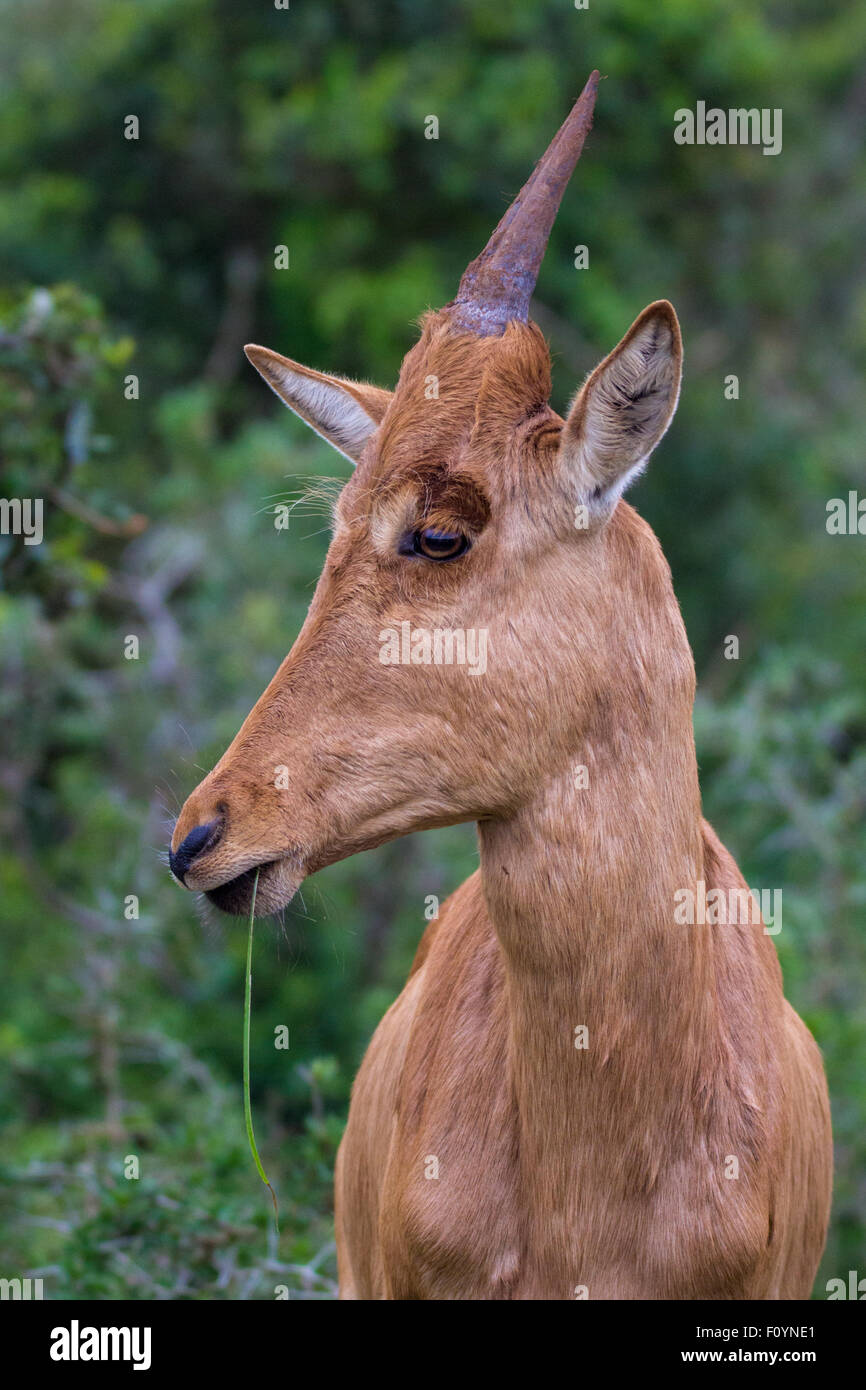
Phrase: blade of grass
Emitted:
{"points": [[248, 1113]]}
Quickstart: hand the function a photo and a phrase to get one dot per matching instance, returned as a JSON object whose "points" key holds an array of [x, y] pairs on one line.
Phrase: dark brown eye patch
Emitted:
{"points": [[444, 518]]}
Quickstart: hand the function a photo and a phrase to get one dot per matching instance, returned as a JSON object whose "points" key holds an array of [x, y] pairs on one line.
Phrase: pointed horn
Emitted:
{"points": [[498, 284]]}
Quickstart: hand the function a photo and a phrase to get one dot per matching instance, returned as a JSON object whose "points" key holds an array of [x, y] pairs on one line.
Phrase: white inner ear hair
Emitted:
{"points": [[327, 408], [627, 411]]}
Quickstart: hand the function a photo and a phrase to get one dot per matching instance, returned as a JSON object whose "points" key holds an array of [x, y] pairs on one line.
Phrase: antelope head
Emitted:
{"points": [[474, 511]]}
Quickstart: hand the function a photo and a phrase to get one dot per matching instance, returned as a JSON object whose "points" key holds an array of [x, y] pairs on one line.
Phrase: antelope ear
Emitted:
{"points": [[623, 409], [344, 412]]}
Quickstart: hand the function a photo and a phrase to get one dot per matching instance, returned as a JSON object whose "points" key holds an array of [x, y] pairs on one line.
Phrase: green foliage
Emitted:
{"points": [[121, 1035], [783, 762]]}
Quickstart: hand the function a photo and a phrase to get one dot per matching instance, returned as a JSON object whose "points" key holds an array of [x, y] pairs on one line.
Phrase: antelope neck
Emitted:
{"points": [[609, 1001]]}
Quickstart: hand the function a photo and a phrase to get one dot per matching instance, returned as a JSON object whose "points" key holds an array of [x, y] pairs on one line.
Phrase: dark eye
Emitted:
{"points": [[439, 545]]}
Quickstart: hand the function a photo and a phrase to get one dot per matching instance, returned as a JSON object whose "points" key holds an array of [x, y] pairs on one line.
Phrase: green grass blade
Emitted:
{"points": [[248, 1113]]}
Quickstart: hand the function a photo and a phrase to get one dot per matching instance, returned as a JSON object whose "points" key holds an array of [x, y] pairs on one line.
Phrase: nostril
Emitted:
{"points": [[201, 838]]}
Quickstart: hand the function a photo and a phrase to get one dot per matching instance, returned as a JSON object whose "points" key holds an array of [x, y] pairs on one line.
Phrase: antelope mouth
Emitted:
{"points": [[276, 888]]}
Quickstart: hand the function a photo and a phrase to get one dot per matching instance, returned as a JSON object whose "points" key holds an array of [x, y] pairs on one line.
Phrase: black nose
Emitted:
{"points": [[203, 837]]}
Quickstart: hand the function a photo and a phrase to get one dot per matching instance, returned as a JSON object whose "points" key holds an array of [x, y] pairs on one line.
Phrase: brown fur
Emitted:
{"points": [[559, 1168]]}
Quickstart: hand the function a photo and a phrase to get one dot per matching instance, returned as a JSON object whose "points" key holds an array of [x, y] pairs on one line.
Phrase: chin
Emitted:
{"points": [[277, 886]]}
